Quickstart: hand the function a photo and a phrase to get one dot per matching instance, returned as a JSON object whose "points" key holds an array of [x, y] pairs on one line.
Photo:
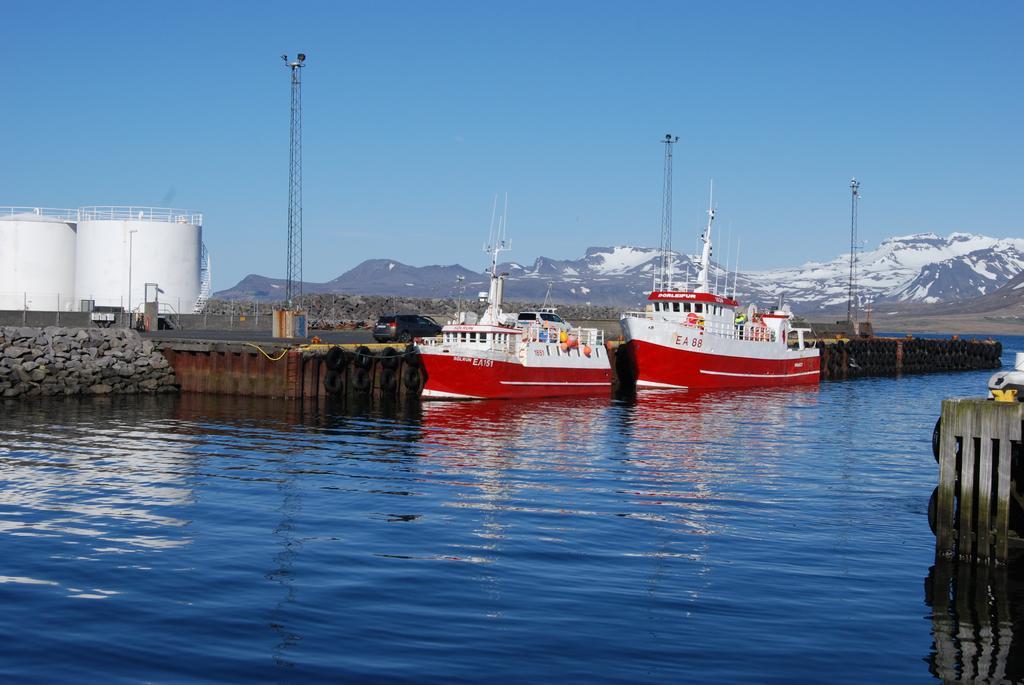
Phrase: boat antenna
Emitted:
{"points": [[665, 268], [460, 281], [736, 273], [728, 245], [705, 254], [497, 238]]}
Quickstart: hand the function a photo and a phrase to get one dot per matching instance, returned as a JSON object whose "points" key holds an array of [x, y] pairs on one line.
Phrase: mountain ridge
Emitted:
{"points": [[915, 268]]}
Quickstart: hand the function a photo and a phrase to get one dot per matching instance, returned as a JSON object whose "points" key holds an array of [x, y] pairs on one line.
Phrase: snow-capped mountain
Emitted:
{"points": [[917, 268]]}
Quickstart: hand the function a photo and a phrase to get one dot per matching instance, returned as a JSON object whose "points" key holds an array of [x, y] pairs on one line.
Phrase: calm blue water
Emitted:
{"points": [[773, 536]]}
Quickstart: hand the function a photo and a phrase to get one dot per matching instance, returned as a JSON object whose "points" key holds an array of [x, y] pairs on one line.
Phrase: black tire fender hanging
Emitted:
{"points": [[334, 382], [361, 379], [335, 359], [364, 358], [411, 378], [389, 358]]}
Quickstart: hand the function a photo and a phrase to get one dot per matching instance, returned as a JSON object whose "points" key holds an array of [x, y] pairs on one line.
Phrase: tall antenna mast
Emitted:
{"points": [[736, 273], [665, 268], [497, 237], [705, 251], [851, 305], [293, 288]]}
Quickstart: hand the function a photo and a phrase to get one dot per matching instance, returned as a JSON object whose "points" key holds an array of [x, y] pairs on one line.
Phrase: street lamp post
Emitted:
{"points": [[131, 236]]}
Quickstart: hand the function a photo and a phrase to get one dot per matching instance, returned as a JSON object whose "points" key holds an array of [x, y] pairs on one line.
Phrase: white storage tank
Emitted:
{"points": [[37, 258], [121, 249]]}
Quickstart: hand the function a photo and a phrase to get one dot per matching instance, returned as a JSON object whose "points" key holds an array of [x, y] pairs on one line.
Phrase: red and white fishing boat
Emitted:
{"points": [[697, 338], [493, 358]]}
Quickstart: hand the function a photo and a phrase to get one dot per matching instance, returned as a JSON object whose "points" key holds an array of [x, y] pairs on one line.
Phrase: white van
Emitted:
{"points": [[542, 316]]}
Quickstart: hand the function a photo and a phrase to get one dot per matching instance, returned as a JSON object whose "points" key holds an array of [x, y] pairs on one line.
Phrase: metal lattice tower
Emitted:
{"points": [[851, 302], [665, 267], [293, 288]]}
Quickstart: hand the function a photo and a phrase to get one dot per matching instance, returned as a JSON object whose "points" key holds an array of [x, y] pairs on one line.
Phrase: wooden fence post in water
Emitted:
{"points": [[975, 456]]}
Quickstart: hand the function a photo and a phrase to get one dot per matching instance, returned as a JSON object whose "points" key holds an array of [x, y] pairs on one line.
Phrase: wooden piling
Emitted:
{"points": [[975, 474]]}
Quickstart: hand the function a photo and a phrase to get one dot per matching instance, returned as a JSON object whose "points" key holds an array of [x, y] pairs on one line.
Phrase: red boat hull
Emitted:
{"points": [[660, 366], [450, 377]]}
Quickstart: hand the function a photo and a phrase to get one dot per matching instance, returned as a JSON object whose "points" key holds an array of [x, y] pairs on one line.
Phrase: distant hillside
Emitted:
{"points": [[920, 268]]}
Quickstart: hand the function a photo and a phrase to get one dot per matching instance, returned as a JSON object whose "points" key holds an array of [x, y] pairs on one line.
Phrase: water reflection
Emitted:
{"points": [[71, 469], [977, 621], [683, 443], [506, 458]]}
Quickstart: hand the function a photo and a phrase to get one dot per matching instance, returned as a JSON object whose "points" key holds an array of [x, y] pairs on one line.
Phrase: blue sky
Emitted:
{"points": [[417, 113]]}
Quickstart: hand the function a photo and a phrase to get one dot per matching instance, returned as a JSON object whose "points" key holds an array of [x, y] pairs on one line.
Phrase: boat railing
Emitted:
{"points": [[758, 334], [584, 336], [722, 329]]}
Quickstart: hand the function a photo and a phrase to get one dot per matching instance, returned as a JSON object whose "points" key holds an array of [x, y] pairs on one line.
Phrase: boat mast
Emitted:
{"points": [[498, 242], [705, 255], [664, 275]]}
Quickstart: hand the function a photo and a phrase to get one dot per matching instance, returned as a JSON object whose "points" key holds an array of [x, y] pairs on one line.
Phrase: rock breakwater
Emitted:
{"points": [[49, 361]]}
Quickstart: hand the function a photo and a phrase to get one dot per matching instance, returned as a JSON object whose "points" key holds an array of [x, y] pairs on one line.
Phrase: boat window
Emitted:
{"points": [[657, 306], [686, 307], [675, 306], [698, 307]]}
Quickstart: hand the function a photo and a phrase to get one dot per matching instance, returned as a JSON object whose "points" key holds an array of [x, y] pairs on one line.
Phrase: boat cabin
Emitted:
{"points": [[480, 337], [718, 315]]}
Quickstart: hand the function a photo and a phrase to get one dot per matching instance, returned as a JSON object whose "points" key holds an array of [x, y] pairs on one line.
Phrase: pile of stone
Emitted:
{"points": [[80, 361], [328, 311]]}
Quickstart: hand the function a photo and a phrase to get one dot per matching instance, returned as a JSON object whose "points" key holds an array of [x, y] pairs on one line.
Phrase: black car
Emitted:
{"points": [[404, 327]]}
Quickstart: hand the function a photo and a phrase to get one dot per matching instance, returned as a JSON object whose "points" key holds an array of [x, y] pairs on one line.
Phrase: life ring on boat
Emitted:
{"points": [[586, 350], [691, 319]]}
